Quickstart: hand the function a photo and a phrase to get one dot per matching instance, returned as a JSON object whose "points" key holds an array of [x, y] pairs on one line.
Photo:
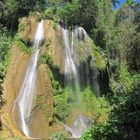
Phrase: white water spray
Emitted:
{"points": [[73, 75], [70, 67], [80, 125], [24, 101]]}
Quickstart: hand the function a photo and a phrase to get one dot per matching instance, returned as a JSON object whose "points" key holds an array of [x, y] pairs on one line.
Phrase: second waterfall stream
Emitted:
{"points": [[24, 102], [72, 79]]}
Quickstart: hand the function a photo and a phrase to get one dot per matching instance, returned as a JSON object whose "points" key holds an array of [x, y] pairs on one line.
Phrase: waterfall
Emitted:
{"points": [[77, 73], [80, 125], [71, 73], [72, 80], [88, 76], [24, 101], [80, 39]]}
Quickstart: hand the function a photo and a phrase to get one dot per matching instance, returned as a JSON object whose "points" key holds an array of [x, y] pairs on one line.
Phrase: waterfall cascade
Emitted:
{"points": [[80, 125], [24, 102], [75, 75], [71, 73], [72, 76], [87, 75]]}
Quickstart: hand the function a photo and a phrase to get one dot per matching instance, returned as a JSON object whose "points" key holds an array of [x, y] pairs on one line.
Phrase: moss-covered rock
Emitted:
{"points": [[54, 104], [52, 45]]}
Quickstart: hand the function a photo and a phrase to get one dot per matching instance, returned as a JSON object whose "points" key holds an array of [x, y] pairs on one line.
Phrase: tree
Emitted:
{"points": [[11, 10], [123, 122]]}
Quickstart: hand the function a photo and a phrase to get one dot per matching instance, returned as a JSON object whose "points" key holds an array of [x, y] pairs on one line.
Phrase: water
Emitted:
{"points": [[24, 101], [80, 40], [72, 79], [88, 76], [80, 125], [71, 73], [78, 73], [80, 33]]}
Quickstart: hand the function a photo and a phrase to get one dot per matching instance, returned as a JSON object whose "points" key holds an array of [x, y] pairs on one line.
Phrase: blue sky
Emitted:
{"points": [[123, 1]]}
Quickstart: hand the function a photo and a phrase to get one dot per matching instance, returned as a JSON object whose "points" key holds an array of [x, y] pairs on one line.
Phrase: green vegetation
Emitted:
{"points": [[46, 58], [5, 52], [20, 28], [97, 107], [5, 45], [116, 33], [58, 136], [99, 58], [22, 46], [61, 107], [11, 10], [123, 119]]}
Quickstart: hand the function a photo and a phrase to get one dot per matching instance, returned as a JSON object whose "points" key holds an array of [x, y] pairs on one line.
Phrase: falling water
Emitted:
{"points": [[72, 80], [77, 73], [80, 125], [71, 74], [80, 33], [88, 76], [24, 101], [81, 39]]}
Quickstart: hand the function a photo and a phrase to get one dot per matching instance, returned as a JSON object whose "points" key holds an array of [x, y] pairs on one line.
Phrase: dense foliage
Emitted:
{"points": [[11, 10], [123, 122], [5, 44]]}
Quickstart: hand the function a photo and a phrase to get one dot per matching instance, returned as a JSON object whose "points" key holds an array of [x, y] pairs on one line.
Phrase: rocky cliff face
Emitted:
{"points": [[11, 85], [50, 75], [43, 110]]}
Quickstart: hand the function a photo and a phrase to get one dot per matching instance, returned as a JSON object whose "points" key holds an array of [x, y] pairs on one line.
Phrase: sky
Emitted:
{"points": [[123, 1]]}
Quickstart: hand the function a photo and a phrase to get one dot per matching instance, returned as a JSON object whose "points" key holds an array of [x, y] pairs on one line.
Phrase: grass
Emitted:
{"points": [[6, 60], [23, 47]]}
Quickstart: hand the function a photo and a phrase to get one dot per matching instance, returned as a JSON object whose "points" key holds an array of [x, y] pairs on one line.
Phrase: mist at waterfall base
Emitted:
{"points": [[24, 102], [78, 74]]}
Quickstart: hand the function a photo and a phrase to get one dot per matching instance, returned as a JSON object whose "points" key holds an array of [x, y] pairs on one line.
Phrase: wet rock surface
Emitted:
{"points": [[80, 125]]}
